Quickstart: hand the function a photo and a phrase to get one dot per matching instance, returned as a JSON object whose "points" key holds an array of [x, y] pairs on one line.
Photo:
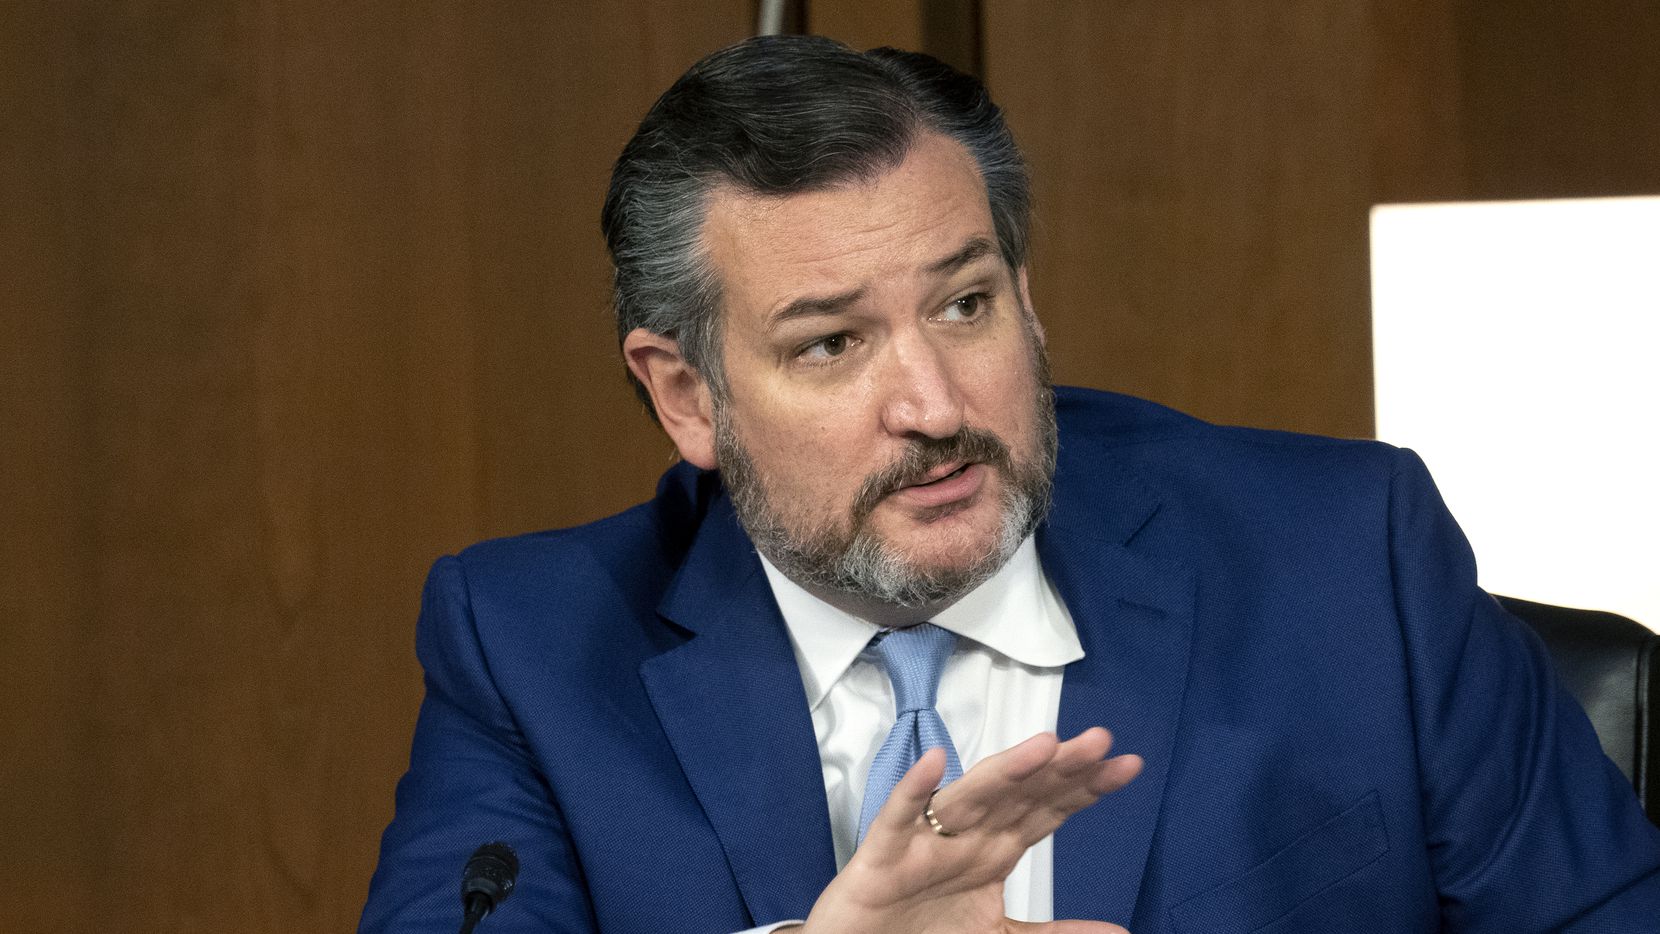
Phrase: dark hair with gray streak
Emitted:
{"points": [[780, 115]]}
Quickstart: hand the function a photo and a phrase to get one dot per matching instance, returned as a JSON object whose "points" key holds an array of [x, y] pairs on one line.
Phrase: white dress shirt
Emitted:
{"points": [[1001, 685]]}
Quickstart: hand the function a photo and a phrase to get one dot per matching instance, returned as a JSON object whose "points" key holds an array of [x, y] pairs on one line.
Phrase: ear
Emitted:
{"points": [[678, 393], [1025, 293]]}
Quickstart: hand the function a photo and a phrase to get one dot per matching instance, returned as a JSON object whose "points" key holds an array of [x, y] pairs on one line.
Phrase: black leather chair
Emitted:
{"points": [[1611, 664]]}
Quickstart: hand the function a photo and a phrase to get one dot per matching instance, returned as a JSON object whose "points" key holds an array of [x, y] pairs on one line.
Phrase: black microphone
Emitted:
{"points": [[487, 881]]}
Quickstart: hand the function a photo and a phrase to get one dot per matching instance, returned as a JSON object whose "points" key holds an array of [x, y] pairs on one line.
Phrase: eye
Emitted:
{"points": [[825, 348], [966, 308]]}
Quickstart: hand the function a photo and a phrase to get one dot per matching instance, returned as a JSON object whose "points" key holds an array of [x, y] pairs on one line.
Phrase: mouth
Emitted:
{"points": [[940, 474], [950, 485], [944, 472]]}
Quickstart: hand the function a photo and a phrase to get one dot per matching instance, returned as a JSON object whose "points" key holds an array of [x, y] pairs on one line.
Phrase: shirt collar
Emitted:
{"points": [[1016, 613]]}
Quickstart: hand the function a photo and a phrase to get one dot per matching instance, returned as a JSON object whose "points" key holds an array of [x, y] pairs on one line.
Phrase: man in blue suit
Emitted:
{"points": [[893, 554]]}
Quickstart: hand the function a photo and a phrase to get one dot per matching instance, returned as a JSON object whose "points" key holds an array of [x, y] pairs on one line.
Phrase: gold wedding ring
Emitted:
{"points": [[933, 821]]}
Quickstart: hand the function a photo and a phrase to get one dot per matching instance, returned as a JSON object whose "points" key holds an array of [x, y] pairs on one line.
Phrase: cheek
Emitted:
{"points": [[1004, 389], [804, 458]]}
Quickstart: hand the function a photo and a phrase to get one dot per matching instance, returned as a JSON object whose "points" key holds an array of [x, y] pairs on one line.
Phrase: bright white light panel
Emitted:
{"points": [[1517, 349]]}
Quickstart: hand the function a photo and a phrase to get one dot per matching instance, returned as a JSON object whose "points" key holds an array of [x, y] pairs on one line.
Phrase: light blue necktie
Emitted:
{"points": [[914, 657]]}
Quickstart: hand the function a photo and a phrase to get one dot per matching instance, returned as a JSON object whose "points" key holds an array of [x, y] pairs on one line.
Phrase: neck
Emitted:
{"points": [[877, 612]]}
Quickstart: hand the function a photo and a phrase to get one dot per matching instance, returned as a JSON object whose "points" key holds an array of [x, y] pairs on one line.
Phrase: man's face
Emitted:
{"points": [[887, 429]]}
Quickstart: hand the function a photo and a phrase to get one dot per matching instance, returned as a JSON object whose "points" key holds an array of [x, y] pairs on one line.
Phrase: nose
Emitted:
{"points": [[922, 395]]}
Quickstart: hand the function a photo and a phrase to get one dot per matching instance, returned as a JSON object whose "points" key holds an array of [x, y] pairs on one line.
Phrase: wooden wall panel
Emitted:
{"points": [[1204, 170], [552, 112], [301, 297], [1202, 180], [865, 25], [1419, 150], [45, 535], [946, 29], [1560, 99]]}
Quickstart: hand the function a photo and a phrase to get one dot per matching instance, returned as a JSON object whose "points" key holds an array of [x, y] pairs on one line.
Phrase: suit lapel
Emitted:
{"points": [[1135, 620], [732, 704]]}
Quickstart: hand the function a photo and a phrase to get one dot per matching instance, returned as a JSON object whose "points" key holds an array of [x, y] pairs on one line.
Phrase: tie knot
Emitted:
{"points": [[914, 657]]}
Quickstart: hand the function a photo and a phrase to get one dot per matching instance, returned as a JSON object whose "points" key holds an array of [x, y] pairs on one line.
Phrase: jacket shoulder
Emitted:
{"points": [[621, 562], [1225, 476], [1108, 420]]}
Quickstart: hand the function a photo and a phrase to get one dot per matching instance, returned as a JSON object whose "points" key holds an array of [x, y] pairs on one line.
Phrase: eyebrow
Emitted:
{"points": [[811, 307], [815, 306], [974, 249]]}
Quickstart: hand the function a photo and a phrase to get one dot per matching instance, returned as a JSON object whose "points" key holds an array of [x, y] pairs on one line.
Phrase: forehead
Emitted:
{"points": [[881, 231]]}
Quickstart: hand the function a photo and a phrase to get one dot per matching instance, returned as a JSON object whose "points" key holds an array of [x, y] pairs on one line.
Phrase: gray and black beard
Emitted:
{"points": [[858, 562]]}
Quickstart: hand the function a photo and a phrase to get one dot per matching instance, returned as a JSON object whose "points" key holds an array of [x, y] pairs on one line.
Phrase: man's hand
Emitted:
{"points": [[907, 879]]}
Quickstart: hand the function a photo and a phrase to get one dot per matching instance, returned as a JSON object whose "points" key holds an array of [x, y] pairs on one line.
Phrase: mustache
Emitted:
{"points": [[924, 456]]}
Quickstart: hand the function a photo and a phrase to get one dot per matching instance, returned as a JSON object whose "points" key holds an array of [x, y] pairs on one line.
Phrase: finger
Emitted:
{"points": [[909, 797], [1018, 762], [1115, 773], [1036, 784], [996, 782], [1069, 781], [1068, 791], [1077, 792], [1092, 745], [1077, 760], [1040, 774]]}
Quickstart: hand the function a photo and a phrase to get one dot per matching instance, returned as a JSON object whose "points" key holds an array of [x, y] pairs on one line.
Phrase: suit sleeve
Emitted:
{"points": [[471, 781], [1530, 826]]}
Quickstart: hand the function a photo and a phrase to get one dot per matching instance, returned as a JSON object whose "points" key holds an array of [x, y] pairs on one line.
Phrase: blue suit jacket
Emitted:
{"points": [[1341, 732]]}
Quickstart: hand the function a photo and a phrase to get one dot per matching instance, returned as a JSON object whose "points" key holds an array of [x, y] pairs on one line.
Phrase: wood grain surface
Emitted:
{"points": [[1203, 176], [1204, 170], [299, 297]]}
